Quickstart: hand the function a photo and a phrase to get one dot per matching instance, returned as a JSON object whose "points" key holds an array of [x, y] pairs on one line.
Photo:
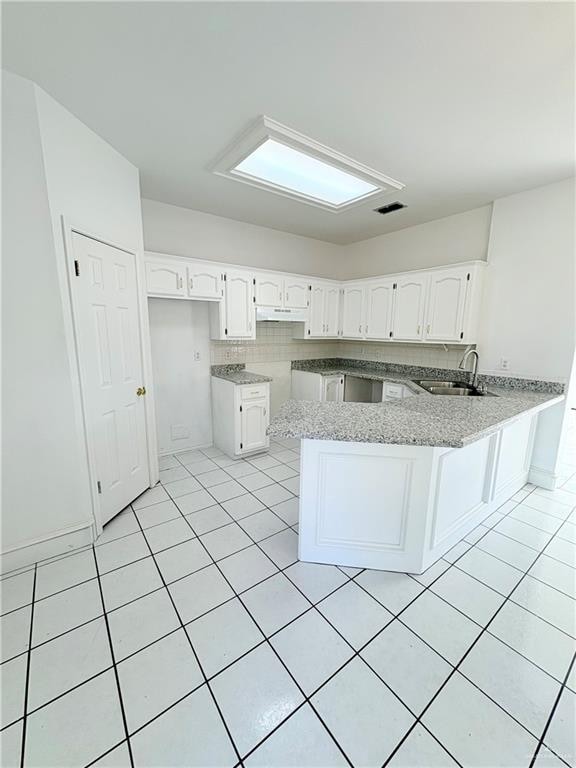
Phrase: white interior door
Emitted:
{"points": [[107, 323]]}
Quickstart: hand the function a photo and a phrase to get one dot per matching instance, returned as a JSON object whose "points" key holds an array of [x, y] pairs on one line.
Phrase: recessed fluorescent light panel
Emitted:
{"points": [[274, 157]]}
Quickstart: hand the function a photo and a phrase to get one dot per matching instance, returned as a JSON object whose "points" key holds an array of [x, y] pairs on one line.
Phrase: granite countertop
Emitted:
{"points": [[237, 374], [430, 420], [363, 373]]}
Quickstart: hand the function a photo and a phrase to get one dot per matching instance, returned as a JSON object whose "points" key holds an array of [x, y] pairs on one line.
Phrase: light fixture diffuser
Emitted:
{"points": [[274, 157]]}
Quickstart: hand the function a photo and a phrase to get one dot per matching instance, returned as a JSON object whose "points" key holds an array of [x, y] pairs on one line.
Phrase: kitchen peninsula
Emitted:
{"points": [[395, 485]]}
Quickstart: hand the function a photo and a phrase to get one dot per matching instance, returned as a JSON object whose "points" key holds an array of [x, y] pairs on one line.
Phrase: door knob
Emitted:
{"points": [[141, 391]]}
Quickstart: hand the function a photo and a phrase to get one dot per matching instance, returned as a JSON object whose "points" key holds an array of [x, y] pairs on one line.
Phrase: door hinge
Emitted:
{"points": [[99, 486], [309, 287], [241, 446], [240, 409], [76, 267], [394, 286], [308, 331], [468, 276], [390, 334], [224, 276], [253, 281], [225, 331], [254, 299], [462, 335]]}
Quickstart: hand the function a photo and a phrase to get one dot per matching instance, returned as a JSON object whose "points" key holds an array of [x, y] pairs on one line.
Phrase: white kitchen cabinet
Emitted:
{"points": [[238, 305], [240, 417], [205, 281], [353, 311], [446, 304], [332, 389], [269, 290], [332, 310], [409, 307], [379, 306], [324, 310], [296, 293], [166, 278]]}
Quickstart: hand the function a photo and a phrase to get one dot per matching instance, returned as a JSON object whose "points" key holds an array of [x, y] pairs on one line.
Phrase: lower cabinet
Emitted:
{"points": [[240, 417], [333, 389]]}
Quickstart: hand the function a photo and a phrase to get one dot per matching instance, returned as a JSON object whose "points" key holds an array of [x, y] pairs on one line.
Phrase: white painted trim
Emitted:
{"points": [[543, 478], [56, 543], [264, 128]]}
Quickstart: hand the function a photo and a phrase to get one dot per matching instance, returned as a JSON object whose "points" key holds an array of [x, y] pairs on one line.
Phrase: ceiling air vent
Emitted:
{"points": [[397, 206]]}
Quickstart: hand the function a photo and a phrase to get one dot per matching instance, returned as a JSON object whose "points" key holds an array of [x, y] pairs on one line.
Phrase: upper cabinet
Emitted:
{"points": [[272, 290], [437, 306], [177, 279], [166, 278], [446, 304], [353, 310], [324, 310], [379, 306], [238, 315], [409, 307], [269, 290], [205, 281]]}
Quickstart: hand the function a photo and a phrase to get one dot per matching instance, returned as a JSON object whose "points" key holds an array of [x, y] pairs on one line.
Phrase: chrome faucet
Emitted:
{"points": [[462, 365]]}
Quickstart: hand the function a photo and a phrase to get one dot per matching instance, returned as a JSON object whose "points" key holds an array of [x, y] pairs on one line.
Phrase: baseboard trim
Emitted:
{"points": [[57, 543], [543, 478]]}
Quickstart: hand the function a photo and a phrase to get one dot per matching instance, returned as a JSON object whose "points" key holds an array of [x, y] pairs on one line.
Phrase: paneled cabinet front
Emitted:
{"points": [[379, 305], [446, 305], [205, 282], [281, 292], [409, 307], [253, 423], [239, 305], [324, 310], [353, 311], [166, 278]]}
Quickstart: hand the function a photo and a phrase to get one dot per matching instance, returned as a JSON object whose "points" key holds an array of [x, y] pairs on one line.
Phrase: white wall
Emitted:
{"points": [[183, 232], [528, 308], [53, 166], [463, 237], [179, 330]]}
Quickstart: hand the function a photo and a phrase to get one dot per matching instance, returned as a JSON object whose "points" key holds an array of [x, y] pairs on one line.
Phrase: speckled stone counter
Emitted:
{"points": [[431, 420], [237, 374]]}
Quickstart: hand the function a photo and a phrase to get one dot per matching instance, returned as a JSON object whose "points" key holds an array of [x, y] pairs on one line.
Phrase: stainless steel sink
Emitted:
{"points": [[459, 388]]}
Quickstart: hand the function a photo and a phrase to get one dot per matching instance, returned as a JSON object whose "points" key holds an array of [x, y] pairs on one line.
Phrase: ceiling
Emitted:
{"points": [[462, 102]]}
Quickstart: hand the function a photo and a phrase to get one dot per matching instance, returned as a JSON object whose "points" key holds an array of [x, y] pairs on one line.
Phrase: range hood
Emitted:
{"points": [[281, 315]]}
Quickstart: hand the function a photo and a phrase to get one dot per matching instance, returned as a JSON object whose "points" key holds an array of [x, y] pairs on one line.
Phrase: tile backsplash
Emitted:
{"points": [[275, 343]]}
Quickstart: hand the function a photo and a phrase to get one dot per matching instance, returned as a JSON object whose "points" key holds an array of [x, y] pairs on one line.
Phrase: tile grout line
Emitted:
{"points": [[456, 670], [27, 682], [563, 687], [269, 644], [200, 667], [113, 655]]}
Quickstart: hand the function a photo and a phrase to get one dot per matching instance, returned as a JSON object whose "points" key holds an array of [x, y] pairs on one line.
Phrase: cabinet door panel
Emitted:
{"points": [[240, 318], [409, 307], [353, 312], [333, 389], [332, 311], [204, 282], [166, 278], [253, 423], [316, 324], [445, 317], [296, 293], [268, 290], [379, 302]]}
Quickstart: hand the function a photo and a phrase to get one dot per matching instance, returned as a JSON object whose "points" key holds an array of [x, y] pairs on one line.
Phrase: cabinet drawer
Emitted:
{"points": [[394, 390], [251, 392]]}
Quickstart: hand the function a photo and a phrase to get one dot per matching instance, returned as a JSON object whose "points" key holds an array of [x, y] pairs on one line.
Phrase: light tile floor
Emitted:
{"points": [[190, 635]]}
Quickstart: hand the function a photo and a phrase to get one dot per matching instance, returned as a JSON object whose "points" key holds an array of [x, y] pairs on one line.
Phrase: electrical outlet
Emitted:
{"points": [[196, 356], [504, 363]]}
